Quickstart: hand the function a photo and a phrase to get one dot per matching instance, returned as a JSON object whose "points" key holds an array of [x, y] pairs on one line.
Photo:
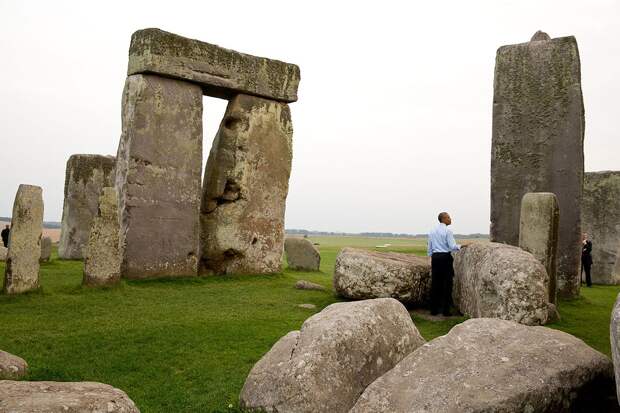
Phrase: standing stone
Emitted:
{"points": [[538, 232], [46, 249], [221, 72], [614, 335], [327, 364], [538, 130], [245, 188], [600, 217], [102, 261], [85, 176], [22, 263], [158, 177], [301, 254], [500, 281]]}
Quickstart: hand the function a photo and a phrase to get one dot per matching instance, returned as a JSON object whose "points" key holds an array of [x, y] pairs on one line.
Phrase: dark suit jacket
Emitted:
{"points": [[586, 253]]}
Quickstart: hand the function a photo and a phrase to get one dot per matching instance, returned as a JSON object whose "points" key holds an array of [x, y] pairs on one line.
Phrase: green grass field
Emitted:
{"points": [[187, 345]]}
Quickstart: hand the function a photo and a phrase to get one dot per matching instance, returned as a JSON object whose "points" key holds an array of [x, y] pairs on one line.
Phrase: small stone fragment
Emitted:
{"points": [[12, 367], [307, 285], [539, 36], [307, 306]]}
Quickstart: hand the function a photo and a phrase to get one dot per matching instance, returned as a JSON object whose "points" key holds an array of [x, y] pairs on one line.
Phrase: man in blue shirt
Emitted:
{"points": [[440, 246]]}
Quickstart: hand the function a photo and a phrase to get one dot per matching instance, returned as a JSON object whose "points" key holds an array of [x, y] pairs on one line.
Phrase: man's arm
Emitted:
{"points": [[430, 246], [451, 242]]}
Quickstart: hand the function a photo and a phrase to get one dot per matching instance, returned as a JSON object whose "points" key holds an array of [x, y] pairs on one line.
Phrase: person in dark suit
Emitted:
{"points": [[5, 236], [586, 258]]}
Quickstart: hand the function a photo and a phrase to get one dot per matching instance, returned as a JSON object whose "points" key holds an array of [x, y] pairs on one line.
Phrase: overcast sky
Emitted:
{"points": [[393, 122]]}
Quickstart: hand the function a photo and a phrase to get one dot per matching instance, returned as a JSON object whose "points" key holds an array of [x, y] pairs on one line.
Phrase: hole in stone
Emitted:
{"points": [[254, 240], [231, 123]]}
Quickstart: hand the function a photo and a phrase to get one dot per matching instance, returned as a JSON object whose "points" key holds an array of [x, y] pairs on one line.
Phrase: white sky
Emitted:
{"points": [[393, 122]]}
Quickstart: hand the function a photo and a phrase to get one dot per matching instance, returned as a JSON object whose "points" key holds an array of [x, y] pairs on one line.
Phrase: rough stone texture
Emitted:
{"points": [[538, 232], [540, 35], [600, 218], [538, 129], [338, 352], [307, 306], [12, 367], [307, 285], [614, 335], [57, 397], [158, 177], [361, 274], [85, 176], [490, 365], [245, 188], [500, 281], [301, 254], [46, 249], [3, 253], [22, 263], [221, 72], [102, 261]]}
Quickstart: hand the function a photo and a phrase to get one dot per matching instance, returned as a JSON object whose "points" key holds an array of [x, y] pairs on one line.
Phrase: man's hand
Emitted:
{"points": [[466, 244]]}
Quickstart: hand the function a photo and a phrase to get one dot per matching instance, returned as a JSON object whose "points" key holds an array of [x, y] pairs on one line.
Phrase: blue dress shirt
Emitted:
{"points": [[440, 239]]}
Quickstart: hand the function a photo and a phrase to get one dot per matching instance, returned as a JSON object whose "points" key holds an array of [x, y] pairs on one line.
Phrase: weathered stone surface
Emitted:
{"points": [[490, 365], [68, 397], [600, 218], [301, 254], [500, 281], [46, 249], [360, 274], [538, 232], [22, 263], [540, 35], [3, 253], [538, 129], [158, 177], [338, 352], [307, 285], [614, 333], [102, 261], [307, 306], [245, 188], [221, 72], [85, 176], [12, 367]]}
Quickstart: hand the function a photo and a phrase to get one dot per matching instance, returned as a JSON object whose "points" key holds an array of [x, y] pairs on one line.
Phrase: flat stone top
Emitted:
{"points": [[395, 257], [221, 72]]}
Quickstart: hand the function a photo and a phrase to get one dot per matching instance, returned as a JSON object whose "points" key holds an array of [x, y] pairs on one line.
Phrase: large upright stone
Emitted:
{"points": [[614, 336], [85, 176], [538, 129], [221, 72], [158, 177], [245, 188], [489, 365], [501, 281], [538, 232], [600, 217], [22, 263], [102, 261], [46, 249], [327, 364]]}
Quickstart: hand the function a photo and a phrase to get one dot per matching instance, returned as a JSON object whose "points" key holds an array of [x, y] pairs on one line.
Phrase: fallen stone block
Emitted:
{"points": [[500, 281], [307, 285], [491, 365], [361, 274], [301, 255], [12, 367], [327, 364], [60, 397]]}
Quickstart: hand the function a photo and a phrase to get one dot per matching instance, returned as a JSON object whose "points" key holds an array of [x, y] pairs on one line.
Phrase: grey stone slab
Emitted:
{"points": [[538, 130], [221, 72], [245, 188], [158, 177], [600, 217], [85, 177], [538, 232], [22, 263], [46, 249]]}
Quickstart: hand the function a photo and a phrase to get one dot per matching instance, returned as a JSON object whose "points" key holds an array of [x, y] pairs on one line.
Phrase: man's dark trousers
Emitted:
{"points": [[442, 275]]}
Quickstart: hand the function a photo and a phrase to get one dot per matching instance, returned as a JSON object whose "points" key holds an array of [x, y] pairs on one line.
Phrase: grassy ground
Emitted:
{"points": [[187, 345]]}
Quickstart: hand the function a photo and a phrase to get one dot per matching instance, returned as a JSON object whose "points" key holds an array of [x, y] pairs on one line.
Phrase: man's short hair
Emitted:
{"points": [[441, 216]]}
